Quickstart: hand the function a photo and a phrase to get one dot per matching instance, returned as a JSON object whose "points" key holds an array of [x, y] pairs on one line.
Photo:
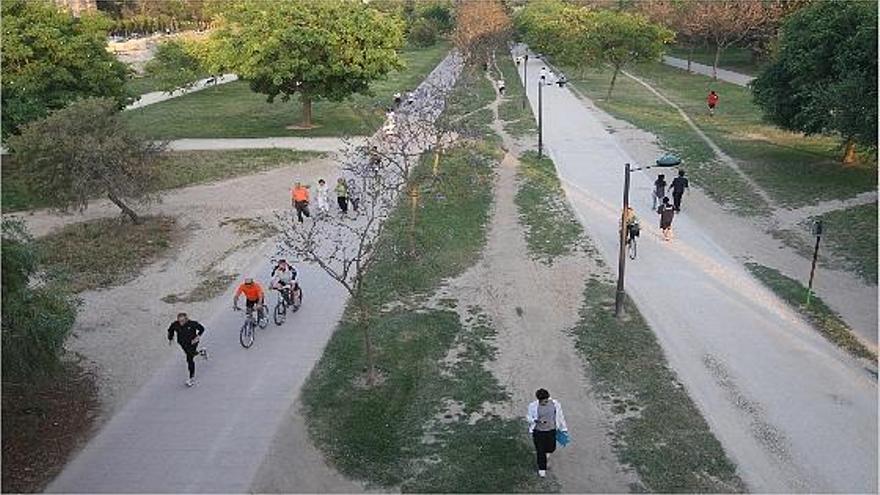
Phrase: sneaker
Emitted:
{"points": [[190, 382], [542, 473], [204, 353]]}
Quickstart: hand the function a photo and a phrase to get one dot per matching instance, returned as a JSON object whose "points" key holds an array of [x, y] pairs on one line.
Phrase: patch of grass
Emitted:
{"points": [[43, 424], [794, 169], [852, 236], [109, 251], [823, 318], [658, 429], [635, 104], [175, 169], [518, 119], [466, 111], [211, 285], [551, 227], [734, 58], [233, 110]]}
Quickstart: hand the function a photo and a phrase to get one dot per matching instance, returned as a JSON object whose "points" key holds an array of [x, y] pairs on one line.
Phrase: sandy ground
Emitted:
{"points": [[747, 238]]}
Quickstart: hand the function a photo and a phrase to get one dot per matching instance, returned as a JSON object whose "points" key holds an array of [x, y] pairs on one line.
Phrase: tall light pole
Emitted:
{"points": [[525, 62], [541, 116], [664, 161]]}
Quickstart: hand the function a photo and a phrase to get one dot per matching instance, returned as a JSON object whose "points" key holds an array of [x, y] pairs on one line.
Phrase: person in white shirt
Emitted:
{"points": [[545, 418], [323, 197]]}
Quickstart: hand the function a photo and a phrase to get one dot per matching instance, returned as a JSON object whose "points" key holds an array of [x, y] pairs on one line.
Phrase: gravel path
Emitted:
{"points": [[723, 74], [795, 413], [239, 427], [158, 96]]}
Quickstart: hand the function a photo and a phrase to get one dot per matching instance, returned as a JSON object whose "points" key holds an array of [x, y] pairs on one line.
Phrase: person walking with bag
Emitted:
{"points": [[667, 213], [546, 422]]}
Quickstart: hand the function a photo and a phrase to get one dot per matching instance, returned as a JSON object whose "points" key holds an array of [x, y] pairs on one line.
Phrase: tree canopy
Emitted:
{"points": [[824, 78], [481, 28], [83, 151], [50, 58], [326, 49]]}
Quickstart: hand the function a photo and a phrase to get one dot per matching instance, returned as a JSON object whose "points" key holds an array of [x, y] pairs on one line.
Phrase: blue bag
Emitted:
{"points": [[562, 437]]}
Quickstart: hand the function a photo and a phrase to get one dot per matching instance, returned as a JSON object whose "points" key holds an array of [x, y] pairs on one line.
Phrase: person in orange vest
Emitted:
{"points": [[711, 101], [299, 199]]}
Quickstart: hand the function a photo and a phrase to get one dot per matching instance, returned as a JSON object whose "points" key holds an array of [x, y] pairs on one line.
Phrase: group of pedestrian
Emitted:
{"points": [[667, 210], [347, 194]]}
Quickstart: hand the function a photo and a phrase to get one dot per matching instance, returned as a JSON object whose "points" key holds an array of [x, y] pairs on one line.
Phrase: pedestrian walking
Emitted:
{"points": [[354, 194], [712, 101], [679, 186], [659, 190], [501, 87], [397, 100], [389, 127], [342, 195], [667, 213], [323, 197], [189, 333], [543, 74], [299, 199], [545, 418]]}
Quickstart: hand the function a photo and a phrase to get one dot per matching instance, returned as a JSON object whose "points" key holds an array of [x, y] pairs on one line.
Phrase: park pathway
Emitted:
{"points": [[723, 74], [793, 411], [159, 96], [217, 436], [325, 144]]}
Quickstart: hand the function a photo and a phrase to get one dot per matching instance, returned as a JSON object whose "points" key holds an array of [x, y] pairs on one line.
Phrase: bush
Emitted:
{"points": [[36, 317], [423, 33]]}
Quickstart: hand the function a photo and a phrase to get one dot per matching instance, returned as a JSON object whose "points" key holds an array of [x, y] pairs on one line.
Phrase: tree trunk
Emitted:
{"points": [[613, 80], [306, 110], [715, 63], [690, 57], [125, 209], [849, 152], [363, 322]]}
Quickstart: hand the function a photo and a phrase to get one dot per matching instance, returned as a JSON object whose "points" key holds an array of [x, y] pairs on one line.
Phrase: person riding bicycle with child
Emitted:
{"points": [[284, 280]]}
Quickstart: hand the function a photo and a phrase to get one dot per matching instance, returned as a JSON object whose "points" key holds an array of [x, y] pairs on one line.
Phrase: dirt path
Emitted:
{"points": [[723, 74], [532, 306], [789, 218]]}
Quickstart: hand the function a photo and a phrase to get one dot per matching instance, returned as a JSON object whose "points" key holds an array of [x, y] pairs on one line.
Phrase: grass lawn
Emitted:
{"points": [[659, 430], [139, 85], [518, 119], [108, 251], [551, 227], [233, 110], [795, 170], [734, 58], [175, 169], [851, 234], [823, 318]]}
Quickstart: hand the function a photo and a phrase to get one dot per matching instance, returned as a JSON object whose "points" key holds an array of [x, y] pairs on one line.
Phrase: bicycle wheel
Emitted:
{"points": [[280, 313], [263, 320], [633, 249], [296, 300], [246, 336]]}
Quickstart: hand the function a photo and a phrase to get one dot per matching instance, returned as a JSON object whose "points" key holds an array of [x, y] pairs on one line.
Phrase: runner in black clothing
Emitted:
{"points": [[679, 184], [188, 335]]}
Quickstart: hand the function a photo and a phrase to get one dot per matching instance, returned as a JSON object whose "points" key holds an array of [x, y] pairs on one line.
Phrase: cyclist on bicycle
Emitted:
{"points": [[253, 295], [632, 224], [284, 279]]}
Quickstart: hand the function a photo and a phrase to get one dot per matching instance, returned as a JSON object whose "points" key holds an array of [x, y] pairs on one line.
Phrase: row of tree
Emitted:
{"points": [[582, 37]]}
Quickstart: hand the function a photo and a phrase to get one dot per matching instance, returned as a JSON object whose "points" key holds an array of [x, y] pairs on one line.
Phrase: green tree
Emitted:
{"points": [[327, 49], [824, 78], [621, 38], [50, 58], [37, 317], [175, 65], [83, 151]]}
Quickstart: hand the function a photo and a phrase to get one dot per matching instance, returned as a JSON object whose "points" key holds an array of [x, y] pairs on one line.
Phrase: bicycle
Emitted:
{"points": [[632, 241], [247, 334], [279, 314]]}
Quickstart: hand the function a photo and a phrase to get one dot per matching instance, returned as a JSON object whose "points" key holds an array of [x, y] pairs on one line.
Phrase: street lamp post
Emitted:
{"points": [[525, 62], [540, 117], [817, 231], [663, 162]]}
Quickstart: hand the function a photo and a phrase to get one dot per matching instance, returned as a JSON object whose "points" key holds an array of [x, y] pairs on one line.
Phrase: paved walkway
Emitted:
{"points": [[214, 437], [793, 411], [723, 74], [327, 144], [157, 96]]}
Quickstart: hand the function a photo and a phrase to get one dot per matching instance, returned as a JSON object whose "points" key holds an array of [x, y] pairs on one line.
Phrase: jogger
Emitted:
{"points": [[189, 333]]}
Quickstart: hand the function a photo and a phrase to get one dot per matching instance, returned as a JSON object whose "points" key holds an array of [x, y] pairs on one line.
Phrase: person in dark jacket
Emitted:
{"points": [[667, 213], [189, 332], [679, 186]]}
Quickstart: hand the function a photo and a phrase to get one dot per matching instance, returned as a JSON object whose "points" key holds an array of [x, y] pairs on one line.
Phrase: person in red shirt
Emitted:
{"points": [[299, 199], [711, 101], [253, 295]]}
